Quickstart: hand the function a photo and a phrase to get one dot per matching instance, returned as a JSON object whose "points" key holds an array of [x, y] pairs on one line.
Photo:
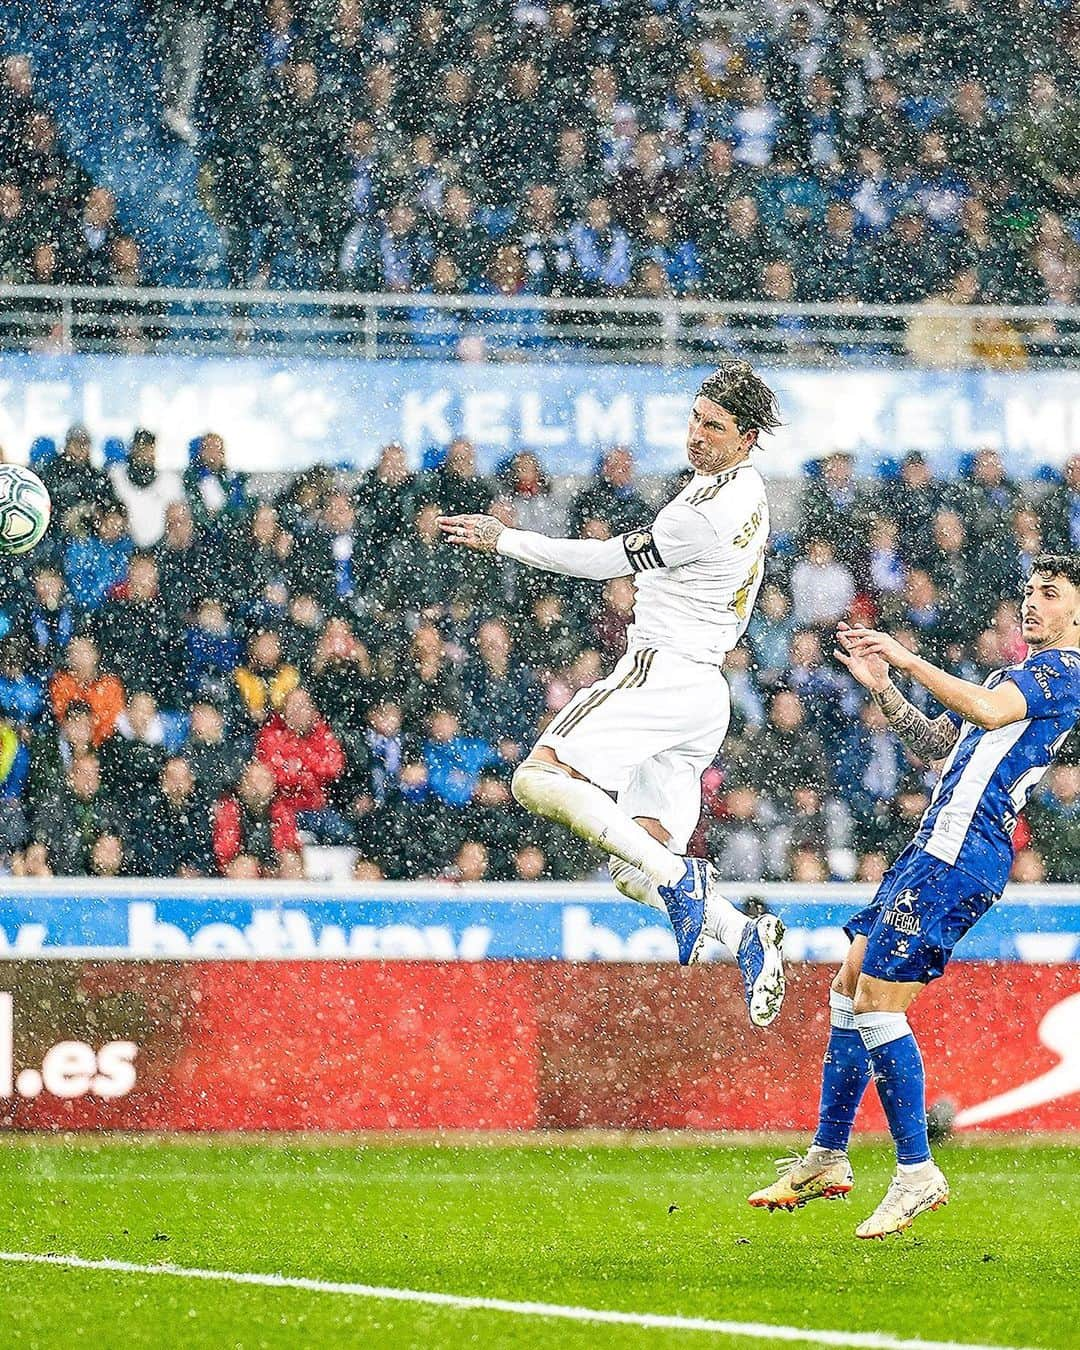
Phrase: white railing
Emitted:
{"points": [[224, 322]]}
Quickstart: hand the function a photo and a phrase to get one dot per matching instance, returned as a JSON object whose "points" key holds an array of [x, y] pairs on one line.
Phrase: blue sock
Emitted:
{"points": [[901, 1082], [844, 1078]]}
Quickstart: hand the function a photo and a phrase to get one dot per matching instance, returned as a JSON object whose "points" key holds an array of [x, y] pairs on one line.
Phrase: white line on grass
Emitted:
{"points": [[761, 1331], [359, 1177], [364, 1176]]}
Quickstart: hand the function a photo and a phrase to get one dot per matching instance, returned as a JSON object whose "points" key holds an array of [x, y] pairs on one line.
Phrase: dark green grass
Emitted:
{"points": [[640, 1227]]}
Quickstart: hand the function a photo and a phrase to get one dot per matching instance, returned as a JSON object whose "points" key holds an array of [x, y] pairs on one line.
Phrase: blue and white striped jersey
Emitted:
{"points": [[989, 775]]}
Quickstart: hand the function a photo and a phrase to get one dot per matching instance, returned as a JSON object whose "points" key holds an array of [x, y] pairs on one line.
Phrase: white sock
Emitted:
{"points": [[635, 885], [910, 1169], [724, 922], [551, 792]]}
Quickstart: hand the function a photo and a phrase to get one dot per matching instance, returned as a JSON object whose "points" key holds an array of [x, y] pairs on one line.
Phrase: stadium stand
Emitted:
{"points": [[270, 667], [620, 150], [199, 678], [778, 151]]}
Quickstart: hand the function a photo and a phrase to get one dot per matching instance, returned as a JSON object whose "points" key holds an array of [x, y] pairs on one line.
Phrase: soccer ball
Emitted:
{"points": [[24, 509]]}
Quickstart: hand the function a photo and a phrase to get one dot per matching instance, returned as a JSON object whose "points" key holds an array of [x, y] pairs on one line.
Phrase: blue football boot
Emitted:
{"points": [[685, 904], [762, 964]]}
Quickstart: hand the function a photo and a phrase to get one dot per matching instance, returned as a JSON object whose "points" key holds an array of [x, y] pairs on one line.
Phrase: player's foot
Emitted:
{"points": [[909, 1195], [685, 904], [824, 1174], [762, 964]]}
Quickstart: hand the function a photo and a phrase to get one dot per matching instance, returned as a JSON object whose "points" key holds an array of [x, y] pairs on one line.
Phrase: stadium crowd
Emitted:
{"points": [[196, 680], [813, 151], [57, 226]]}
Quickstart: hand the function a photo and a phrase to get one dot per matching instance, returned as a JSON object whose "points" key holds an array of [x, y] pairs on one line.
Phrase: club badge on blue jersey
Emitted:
{"points": [[901, 915]]}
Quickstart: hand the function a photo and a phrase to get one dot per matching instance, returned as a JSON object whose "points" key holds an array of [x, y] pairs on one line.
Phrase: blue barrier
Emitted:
{"points": [[450, 923], [288, 414]]}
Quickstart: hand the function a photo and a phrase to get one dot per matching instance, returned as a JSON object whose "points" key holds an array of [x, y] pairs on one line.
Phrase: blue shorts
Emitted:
{"points": [[922, 909]]}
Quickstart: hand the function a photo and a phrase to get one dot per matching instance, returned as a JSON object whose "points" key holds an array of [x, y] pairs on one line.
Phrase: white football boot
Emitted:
{"points": [[824, 1174], [909, 1195]]}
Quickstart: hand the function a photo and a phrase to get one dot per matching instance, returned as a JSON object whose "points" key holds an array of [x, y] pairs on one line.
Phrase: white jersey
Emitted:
{"points": [[697, 569]]}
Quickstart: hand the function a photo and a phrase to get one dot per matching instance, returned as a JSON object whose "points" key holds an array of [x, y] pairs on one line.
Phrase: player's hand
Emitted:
{"points": [[871, 671], [865, 642], [478, 532]]}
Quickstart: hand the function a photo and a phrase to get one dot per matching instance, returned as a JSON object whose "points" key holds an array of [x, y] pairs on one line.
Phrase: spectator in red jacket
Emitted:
{"points": [[249, 835], [304, 755]]}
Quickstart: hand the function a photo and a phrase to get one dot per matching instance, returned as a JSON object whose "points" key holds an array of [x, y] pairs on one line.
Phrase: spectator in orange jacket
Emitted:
{"points": [[304, 755], [83, 682]]}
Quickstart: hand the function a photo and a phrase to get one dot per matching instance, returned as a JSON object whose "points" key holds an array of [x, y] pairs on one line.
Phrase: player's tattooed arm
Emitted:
{"points": [[925, 737], [477, 532]]}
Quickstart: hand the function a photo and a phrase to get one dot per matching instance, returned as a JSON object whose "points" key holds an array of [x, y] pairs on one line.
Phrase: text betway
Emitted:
{"points": [[291, 932], [471, 927]]}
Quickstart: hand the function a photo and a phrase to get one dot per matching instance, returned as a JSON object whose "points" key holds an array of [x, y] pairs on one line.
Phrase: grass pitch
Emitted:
{"points": [[642, 1227]]}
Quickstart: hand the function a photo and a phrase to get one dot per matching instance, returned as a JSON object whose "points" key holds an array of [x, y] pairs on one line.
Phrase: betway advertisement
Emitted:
{"points": [[427, 921], [278, 414], [343, 1045]]}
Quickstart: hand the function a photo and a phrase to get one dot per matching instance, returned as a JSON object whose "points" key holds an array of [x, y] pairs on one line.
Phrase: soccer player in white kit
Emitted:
{"points": [[621, 764]]}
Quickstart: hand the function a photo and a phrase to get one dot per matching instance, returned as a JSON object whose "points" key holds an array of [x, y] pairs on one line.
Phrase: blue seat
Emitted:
{"points": [[114, 451], [433, 458], [42, 450], [784, 544], [965, 465], [175, 727]]}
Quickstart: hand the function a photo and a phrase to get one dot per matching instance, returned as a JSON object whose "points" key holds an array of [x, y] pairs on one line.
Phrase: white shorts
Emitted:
{"points": [[647, 732]]}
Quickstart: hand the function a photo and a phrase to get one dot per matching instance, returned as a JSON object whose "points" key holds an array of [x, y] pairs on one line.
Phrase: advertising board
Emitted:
{"points": [[342, 1045], [289, 413], [421, 921]]}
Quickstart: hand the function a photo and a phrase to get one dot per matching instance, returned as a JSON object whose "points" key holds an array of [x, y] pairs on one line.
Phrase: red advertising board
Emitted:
{"points": [[233, 1045]]}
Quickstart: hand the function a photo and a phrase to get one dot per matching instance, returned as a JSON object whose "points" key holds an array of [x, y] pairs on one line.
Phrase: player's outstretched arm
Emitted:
{"points": [[594, 559], [927, 738], [986, 708], [679, 535]]}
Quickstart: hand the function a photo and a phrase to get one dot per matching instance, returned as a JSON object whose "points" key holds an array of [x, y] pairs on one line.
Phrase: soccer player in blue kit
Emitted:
{"points": [[996, 740]]}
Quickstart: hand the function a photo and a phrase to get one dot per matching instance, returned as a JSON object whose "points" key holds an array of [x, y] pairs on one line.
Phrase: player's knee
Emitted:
{"points": [[534, 784], [521, 785]]}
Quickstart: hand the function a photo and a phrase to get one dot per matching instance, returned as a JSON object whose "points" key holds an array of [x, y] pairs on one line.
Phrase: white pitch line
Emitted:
{"points": [[761, 1331], [47, 1171]]}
